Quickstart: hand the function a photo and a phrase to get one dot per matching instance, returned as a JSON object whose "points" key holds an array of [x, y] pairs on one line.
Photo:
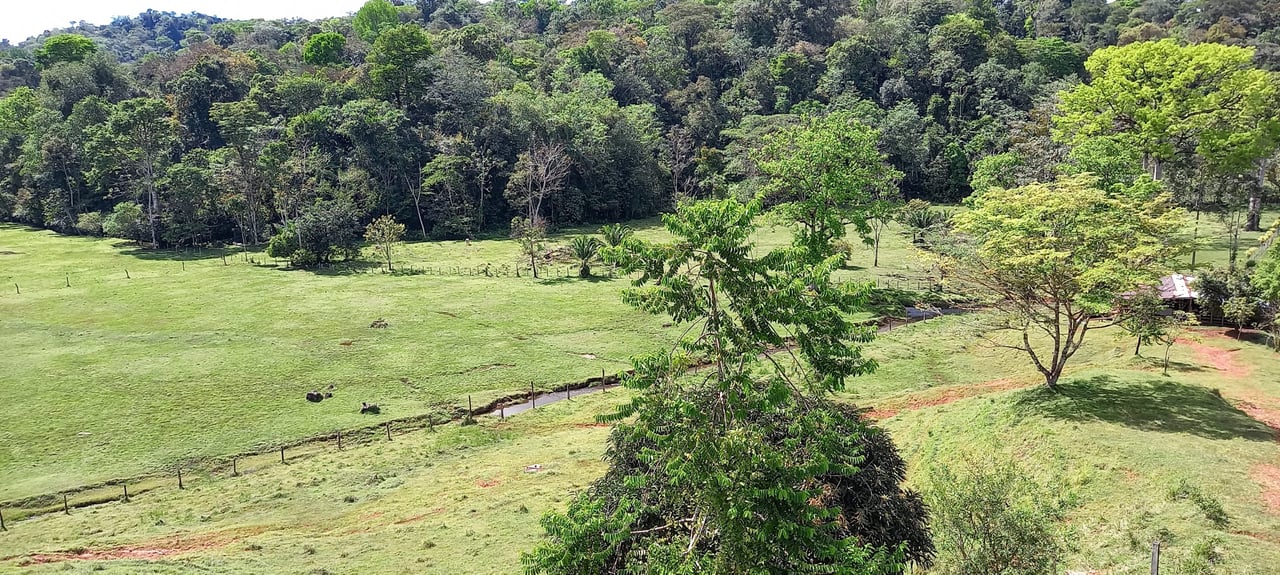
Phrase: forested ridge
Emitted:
{"points": [[455, 117]]}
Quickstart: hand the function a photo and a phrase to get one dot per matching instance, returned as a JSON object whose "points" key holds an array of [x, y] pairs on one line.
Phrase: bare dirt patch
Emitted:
{"points": [[487, 483], [942, 396], [151, 550], [1268, 477], [1269, 417], [1223, 360]]}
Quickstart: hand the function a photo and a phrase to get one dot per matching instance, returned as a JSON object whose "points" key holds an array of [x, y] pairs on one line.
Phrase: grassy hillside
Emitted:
{"points": [[187, 357], [1112, 446]]}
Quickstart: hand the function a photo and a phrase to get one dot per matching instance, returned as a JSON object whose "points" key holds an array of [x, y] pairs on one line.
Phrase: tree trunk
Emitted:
{"points": [[388, 251], [1138, 348], [875, 258], [418, 209], [1166, 358], [1195, 235], [533, 263], [1254, 222]]}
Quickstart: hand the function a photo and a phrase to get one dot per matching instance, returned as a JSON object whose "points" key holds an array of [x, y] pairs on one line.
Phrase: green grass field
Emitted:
{"points": [[1112, 446], [189, 359]]}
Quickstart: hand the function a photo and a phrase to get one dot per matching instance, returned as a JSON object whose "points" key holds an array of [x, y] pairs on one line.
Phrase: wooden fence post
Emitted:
{"points": [[180, 486], [17, 289], [567, 393], [388, 431], [65, 508], [471, 413], [2, 527], [126, 273], [68, 280], [339, 440], [234, 471], [126, 491], [1155, 557], [533, 396], [502, 412], [282, 454]]}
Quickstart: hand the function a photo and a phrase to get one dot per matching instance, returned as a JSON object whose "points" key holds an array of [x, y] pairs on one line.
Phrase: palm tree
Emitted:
{"points": [[585, 249], [615, 234]]}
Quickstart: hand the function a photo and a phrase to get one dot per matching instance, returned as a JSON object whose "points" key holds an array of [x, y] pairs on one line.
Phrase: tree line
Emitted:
{"points": [[456, 117]]}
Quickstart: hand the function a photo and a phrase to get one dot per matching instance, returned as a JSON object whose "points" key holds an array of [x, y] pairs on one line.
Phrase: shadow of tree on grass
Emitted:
{"points": [[559, 280], [1147, 405]]}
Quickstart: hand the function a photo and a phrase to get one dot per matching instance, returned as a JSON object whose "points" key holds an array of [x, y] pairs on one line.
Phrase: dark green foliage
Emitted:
{"points": [[584, 249], [652, 104], [327, 230], [745, 465]]}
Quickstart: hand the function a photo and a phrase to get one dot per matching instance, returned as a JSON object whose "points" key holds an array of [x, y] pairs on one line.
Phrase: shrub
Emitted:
{"points": [[90, 223], [125, 221], [990, 518], [284, 244]]}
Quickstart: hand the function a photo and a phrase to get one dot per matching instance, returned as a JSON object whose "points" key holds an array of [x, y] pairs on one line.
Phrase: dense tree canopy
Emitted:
{"points": [[423, 112]]}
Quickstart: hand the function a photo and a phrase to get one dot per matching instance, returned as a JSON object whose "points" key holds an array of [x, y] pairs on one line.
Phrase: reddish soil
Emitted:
{"points": [[157, 549], [942, 396], [1269, 417], [486, 483], [1259, 536], [1220, 359], [1268, 477], [417, 518]]}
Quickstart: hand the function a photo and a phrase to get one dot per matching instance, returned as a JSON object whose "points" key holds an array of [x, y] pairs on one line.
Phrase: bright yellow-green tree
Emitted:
{"points": [[1055, 256], [1158, 96], [384, 232]]}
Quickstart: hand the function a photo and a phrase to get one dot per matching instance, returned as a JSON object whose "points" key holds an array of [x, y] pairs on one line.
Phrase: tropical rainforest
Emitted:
{"points": [[454, 117]]}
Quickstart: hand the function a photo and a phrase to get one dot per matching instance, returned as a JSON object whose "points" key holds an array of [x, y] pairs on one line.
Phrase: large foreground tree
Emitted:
{"points": [[1057, 257], [742, 465]]}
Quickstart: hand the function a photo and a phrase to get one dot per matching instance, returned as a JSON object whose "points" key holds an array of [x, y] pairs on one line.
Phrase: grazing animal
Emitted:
{"points": [[328, 394], [314, 396], [369, 408]]}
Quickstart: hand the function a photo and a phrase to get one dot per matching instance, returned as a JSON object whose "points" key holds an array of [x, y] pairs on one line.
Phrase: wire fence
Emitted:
{"points": [[275, 454]]}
